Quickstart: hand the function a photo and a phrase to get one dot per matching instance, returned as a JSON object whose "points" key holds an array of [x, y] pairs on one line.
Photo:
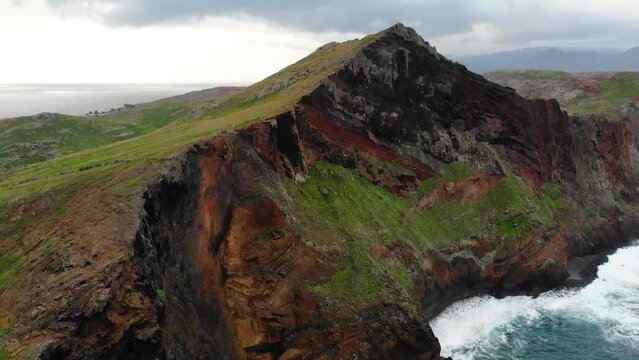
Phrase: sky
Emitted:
{"points": [[243, 41]]}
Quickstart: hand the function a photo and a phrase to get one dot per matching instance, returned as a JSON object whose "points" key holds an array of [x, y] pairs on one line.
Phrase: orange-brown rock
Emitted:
{"points": [[212, 263]]}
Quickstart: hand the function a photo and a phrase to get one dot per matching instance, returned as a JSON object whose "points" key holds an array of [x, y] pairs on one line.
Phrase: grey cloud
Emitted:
{"points": [[520, 22], [436, 16]]}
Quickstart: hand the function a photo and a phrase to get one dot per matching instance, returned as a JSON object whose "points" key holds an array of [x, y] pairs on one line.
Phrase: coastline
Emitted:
{"points": [[18, 100], [581, 270], [593, 321]]}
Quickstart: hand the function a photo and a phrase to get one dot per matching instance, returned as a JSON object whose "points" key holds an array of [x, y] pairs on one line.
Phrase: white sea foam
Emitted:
{"points": [[611, 302]]}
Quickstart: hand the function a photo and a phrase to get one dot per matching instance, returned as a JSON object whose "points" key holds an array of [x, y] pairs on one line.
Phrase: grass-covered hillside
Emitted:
{"points": [[32, 139], [107, 176], [296, 229], [261, 101], [119, 168], [337, 205], [578, 93]]}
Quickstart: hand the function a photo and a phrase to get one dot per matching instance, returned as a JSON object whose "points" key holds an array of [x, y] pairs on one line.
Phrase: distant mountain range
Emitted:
{"points": [[549, 58]]}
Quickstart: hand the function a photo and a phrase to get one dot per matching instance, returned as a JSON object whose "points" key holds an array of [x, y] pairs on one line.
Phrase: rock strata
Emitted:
{"points": [[217, 260]]}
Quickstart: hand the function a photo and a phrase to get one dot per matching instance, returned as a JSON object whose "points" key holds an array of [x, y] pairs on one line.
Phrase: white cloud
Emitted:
{"points": [[510, 24], [77, 41], [483, 37], [40, 46]]}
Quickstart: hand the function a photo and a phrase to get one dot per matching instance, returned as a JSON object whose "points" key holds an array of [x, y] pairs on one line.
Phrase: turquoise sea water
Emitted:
{"points": [[599, 321]]}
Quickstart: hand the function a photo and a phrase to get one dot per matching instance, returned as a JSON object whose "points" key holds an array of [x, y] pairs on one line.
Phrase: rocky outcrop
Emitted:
{"points": [[232, 270], [44, 118], [631, 111], [217, 260]]}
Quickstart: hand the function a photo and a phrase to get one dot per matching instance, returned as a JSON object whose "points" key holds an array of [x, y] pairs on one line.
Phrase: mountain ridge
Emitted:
{"points": [[27, 139], [329, 211], [553, 58]]}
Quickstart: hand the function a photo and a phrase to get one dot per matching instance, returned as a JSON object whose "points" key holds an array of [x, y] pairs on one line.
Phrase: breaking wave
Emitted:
{"points": [[599, 321]]}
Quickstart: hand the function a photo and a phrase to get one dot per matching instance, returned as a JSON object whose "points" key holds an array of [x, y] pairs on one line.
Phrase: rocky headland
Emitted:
{"points": [[337, 229]]}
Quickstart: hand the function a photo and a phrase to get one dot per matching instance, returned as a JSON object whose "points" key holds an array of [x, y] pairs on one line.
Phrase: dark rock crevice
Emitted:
{"points": [[228, 269], [189, 326]]}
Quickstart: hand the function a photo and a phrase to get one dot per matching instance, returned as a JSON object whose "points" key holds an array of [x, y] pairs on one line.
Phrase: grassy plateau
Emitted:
{"points": [[578, 93]]}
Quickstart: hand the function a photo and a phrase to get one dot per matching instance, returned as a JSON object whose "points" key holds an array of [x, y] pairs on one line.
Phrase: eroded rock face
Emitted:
{"points": [[233, 269], [247, 258], [437, 111], [428, 108], [214, 261]]}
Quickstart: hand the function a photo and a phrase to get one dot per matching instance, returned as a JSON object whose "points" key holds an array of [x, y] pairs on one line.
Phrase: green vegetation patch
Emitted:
{"points": [[4, 354], [25, 140], [335, 200], [48, 208], [266, 99], [358, 281], [577, 93], [457, 171], [363, 280], [613, 93], [343, 209], [426, 186], [20, 219], [161, 294], [527, 75], [402, 278], [514, 210], [621, 86], [9, 267]]}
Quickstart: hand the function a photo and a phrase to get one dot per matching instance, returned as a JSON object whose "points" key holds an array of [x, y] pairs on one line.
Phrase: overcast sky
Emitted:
{"points": [[242, 41]]}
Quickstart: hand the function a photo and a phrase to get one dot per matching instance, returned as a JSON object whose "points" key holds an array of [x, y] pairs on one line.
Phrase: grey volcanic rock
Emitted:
{"points": [[631, 111], [45, 118]]}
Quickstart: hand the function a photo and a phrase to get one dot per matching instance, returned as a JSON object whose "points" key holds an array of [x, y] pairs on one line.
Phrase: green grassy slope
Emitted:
{"points": [[26, 140], [37, 196], [357, 209], [579, 93], [261, 101], [348, 212]]}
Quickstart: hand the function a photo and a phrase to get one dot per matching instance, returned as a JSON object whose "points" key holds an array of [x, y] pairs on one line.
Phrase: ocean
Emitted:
{"points": [[599, 321], [78, 99]]}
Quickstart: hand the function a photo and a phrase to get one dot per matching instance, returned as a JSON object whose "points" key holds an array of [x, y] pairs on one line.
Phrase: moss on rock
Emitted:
{"points": [[356, 215]]}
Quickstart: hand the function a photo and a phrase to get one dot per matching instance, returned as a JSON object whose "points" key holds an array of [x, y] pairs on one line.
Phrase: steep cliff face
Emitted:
{"points": [[420, 104], [337, 229], [233, 273]]}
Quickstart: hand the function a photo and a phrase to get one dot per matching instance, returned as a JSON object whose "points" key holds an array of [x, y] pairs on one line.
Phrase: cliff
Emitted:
{"points": [[395, 184]]}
